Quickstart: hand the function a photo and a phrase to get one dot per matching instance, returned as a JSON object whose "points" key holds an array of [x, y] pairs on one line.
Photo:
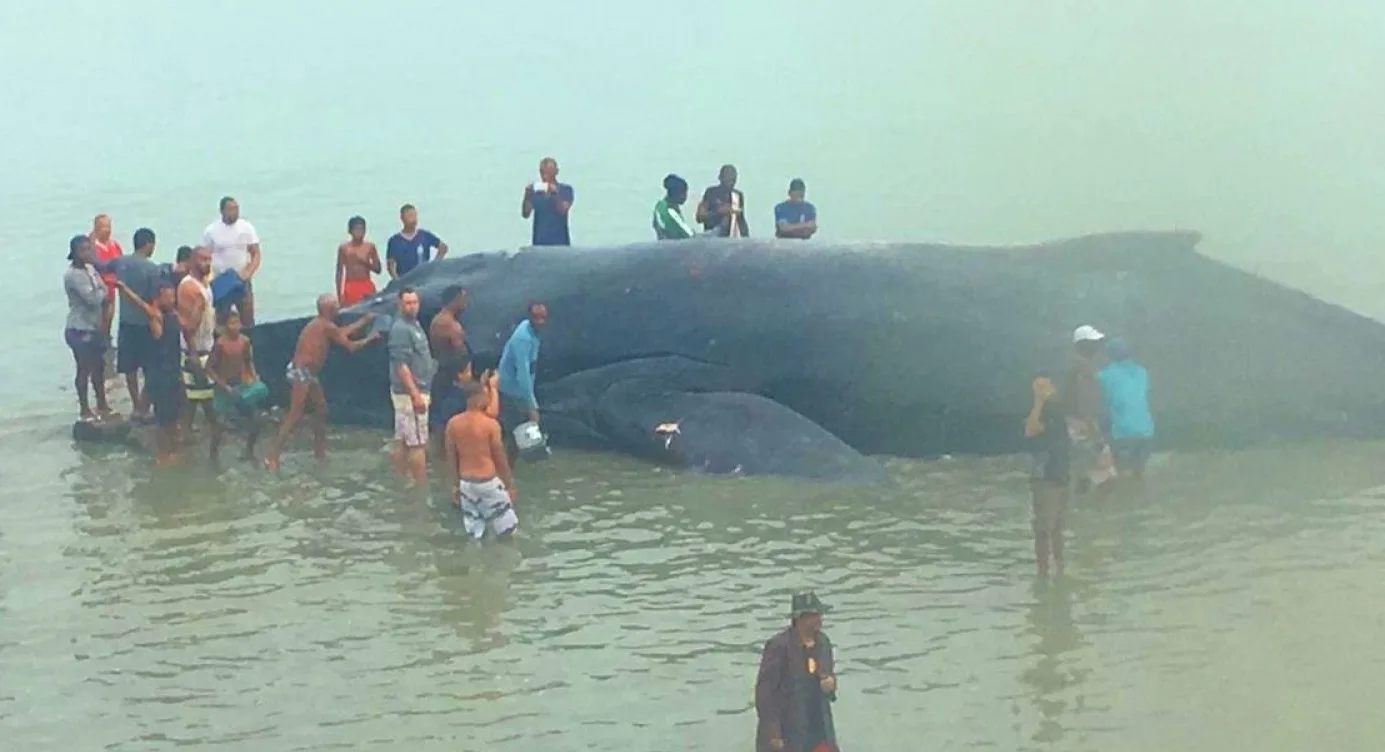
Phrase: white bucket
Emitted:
{"points": [[530, 440]]}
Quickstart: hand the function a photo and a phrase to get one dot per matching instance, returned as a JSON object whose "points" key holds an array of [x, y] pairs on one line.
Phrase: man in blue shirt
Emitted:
{"points": [[795, 218], [412, 246], [1125, 393], [134, 343], [517, 401], [548, 201]]}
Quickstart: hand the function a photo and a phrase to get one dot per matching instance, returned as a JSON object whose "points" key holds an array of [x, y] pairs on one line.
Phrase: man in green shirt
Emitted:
{"points": [[668, 218]]}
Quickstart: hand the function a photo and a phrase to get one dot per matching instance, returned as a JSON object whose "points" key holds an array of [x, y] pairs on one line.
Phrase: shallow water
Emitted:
{"points": [[1234, 602], [1234, 605]]}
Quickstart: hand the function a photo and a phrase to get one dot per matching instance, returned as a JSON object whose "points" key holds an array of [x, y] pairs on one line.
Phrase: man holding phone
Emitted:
{"points": [[548, 202]]}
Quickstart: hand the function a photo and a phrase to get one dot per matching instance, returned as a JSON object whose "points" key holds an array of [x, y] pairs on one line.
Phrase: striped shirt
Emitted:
{"points": [[669, 223]]}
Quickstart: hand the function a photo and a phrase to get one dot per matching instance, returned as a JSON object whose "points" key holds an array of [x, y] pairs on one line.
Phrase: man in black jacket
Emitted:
{"points": [[797, 684]]}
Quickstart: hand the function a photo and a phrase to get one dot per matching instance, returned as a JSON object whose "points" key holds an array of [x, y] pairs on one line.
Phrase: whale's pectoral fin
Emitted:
{"points": [[729, 433], [572, 405], [699, 415]]}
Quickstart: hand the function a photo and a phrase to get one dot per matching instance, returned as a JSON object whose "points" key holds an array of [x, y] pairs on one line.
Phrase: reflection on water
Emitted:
{"points": [[327, 608]]}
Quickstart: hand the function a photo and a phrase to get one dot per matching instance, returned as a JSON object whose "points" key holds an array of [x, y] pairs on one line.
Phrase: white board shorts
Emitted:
{"points": [[486, 503]]}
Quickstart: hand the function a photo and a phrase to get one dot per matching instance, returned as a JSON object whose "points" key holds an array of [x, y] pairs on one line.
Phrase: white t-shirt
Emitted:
{"points": [[229, 244]]}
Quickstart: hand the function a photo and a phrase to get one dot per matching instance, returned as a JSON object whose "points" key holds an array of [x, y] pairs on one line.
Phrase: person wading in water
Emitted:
{"points": [[1046, 429], [308, 356], [447, 340], [162, 377], [518, 402], [796, 684], [411, 379], [478, 468]]}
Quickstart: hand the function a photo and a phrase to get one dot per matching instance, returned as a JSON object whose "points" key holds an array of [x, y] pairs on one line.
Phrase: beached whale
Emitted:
{"points": [[796, 358]]}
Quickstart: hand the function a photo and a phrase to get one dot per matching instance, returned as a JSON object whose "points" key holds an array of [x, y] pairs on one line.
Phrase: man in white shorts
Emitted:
{"points": [[478, 464], [234, 245], [411, 373]]}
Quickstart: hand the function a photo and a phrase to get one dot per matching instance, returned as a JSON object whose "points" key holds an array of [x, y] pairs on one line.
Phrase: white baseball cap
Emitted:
{"points": [[1087, 333]]}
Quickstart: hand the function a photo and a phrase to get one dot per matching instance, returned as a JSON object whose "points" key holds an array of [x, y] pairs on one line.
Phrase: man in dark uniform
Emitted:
{"points": [[797, 684]]}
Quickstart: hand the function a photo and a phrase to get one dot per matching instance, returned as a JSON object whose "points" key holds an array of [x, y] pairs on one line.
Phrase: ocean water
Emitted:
{"points": [[1233, 604]]}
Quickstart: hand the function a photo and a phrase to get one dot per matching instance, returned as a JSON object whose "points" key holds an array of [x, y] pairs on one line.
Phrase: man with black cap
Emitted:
{"points": [[797, 684], [795, 218]]}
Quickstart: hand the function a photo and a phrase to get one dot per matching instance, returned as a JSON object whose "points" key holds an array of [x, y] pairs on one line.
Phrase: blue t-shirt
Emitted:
{"points": [[550, 225], [793, 211], [407, 253], [1125, 390]]}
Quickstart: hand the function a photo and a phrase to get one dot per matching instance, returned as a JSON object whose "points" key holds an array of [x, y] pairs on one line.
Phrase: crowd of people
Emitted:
{"points": [[211, 292], [1097, 428], [182, 327]]}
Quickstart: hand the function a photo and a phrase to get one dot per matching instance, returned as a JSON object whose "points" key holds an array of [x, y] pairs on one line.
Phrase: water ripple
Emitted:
{"points": [[327, 609]]}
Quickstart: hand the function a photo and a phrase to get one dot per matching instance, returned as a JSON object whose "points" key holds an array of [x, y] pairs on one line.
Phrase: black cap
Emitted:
{"points": [[806, 603], [797, 185]]}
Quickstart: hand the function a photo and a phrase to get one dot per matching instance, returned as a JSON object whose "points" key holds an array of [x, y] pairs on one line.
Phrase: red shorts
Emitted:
{"points": [[354, 291]]}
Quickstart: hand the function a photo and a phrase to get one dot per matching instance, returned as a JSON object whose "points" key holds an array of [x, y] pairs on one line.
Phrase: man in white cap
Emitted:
{"points": [[1091, 458]]}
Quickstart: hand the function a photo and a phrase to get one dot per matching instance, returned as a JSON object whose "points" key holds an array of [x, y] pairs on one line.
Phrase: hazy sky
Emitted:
{"points": [[978, 121]]}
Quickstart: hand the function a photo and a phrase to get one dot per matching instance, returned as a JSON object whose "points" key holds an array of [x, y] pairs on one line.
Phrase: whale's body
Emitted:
{"points": [[796, 358]]}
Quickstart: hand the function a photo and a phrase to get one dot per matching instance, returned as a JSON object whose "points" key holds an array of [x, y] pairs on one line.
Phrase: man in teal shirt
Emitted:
{"points": [[1125, 394], [517, 401]]}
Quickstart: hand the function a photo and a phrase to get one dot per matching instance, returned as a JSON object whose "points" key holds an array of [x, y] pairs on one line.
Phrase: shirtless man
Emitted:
{"points": [[480, 470], [231, 367], [357, 259], [446, 335], [447, 338], [308, 356], [198, 316]]}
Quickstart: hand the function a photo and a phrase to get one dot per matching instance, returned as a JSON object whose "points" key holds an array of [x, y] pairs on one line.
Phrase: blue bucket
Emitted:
{"points": [[227, 287]]}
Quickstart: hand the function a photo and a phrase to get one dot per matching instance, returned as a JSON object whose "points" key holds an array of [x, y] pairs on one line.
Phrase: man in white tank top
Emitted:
{"points": [[197, 315], [234, 245]]}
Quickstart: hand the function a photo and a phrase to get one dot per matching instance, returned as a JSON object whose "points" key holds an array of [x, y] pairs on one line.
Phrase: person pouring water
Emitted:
{"points": [[518, 405]]}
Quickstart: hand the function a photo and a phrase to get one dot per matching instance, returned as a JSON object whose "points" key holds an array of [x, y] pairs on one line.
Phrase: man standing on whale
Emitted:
{"points": [[722, 209], [548, 202]]}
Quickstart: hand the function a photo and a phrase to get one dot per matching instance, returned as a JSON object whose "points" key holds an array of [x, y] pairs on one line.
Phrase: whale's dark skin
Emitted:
{"points": [[900, 349]]}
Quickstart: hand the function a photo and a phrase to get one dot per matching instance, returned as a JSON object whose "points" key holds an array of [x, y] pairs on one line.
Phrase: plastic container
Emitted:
{"points": [[531, 441], [252, 394], [227, 287]]}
